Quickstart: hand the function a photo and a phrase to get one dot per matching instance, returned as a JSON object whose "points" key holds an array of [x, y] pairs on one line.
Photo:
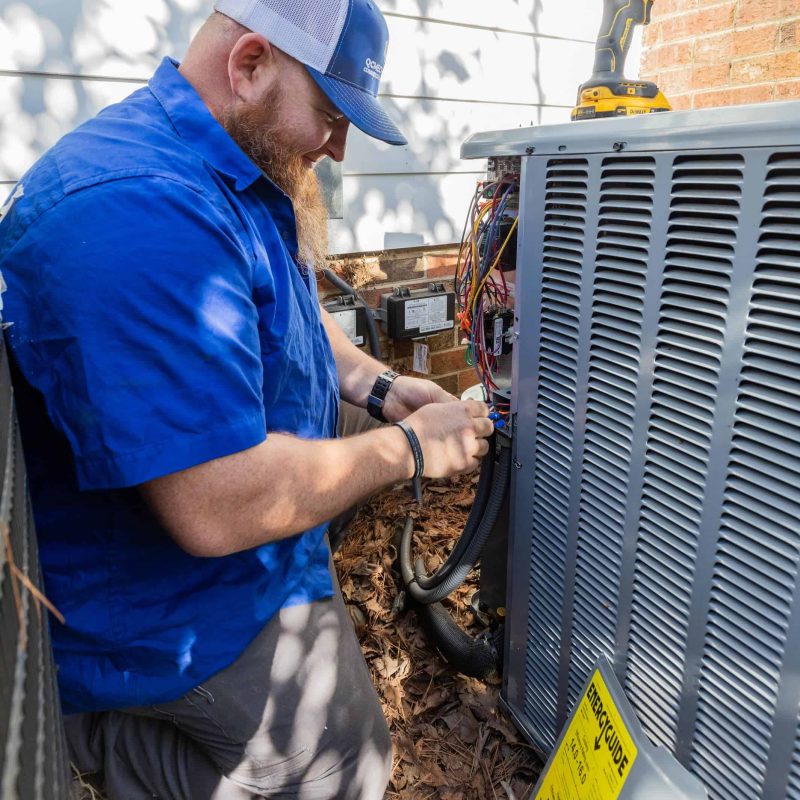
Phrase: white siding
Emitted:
{"points": [[455, 67]]}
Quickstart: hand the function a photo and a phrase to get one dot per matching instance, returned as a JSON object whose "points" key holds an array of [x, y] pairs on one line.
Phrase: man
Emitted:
{"points": [[178, 388]]}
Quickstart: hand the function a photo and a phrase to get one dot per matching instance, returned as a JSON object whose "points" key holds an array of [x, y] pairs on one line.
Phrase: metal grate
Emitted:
{"points": [[793, 783], [564, 226], [756, 560], [705, 202], [33, 761], [623, 241]]}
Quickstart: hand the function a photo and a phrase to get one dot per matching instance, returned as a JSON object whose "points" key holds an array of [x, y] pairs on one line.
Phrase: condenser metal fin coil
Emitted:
{"points": [[33, 755], [656, 504]]}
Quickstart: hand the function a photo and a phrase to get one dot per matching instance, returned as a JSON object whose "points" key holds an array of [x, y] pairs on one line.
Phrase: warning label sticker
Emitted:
{"points": [[421, 358], [596, 754], [428, 314]]}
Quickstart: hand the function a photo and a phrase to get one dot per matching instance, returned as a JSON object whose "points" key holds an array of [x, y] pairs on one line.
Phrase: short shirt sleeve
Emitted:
{"points": [[132, 313]]}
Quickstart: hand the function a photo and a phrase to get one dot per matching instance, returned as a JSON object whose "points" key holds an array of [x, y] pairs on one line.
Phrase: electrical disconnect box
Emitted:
{"points": [[408, 313], [351, 315]]}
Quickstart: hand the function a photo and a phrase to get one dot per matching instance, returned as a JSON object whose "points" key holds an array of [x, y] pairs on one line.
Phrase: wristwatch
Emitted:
{"points": [[378, 394]]}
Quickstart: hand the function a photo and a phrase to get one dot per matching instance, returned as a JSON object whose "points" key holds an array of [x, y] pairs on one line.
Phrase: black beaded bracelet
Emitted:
{"points": [[416, 448]]}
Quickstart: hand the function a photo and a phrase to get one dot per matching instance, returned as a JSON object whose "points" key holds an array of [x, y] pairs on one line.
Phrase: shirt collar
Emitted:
{"points": [[195, 124]]}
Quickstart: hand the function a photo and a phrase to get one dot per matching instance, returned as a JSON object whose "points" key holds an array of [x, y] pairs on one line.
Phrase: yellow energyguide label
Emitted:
{"points": [[596, 754]]}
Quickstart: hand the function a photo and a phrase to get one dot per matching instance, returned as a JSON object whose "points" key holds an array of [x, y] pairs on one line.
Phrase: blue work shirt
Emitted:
{"points": [[158, 319]]}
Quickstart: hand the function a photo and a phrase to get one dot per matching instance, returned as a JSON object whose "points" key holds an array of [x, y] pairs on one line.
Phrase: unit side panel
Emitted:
{"points": [[705, 202], [695, 343], [523, 404], [564, 221], [625, 215], [756, 559], [793, 783]]}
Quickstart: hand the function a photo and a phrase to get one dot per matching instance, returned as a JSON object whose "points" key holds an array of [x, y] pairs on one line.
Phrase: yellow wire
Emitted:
{"points": [[475, 261], [494, 264]]}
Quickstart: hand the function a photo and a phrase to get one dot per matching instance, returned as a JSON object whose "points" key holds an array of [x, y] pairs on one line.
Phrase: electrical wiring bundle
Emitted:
{"points": [[483, 294]]}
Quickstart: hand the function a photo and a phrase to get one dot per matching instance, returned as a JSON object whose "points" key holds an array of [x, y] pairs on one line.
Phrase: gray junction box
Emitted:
{"points": [[656, 503]]}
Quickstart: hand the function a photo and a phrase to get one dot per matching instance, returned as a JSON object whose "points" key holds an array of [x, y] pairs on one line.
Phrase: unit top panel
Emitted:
{"points": [[761, 125]]}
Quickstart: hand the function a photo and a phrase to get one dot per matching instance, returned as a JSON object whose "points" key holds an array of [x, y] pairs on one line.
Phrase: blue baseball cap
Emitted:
{"points": [[342, 44]]}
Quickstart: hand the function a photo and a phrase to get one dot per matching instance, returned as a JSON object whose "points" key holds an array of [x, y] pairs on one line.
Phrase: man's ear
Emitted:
{"points": [[252, 67]]}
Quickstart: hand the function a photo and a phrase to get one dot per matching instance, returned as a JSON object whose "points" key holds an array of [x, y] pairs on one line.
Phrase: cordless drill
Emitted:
{"points": [[607, 93]]}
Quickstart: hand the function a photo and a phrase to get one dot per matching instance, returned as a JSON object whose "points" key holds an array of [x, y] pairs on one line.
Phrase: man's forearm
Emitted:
{"points": [[277, 489], [286, 485]]}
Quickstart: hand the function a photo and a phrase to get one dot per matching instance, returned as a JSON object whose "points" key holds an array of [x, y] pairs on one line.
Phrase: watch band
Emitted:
{"points": [[378, 393]]}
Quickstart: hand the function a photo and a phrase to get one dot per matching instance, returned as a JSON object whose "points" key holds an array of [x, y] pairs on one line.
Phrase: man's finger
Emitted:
{"points": [[477, 409], [483, 448], [442, 395], [484, 427]]}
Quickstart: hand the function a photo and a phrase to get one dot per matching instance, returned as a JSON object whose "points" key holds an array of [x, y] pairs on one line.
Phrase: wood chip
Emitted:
{"points": [[451, 740]]}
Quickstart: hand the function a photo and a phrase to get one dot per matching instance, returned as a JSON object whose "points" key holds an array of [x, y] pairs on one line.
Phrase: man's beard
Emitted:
{"points": [[255, 128]]}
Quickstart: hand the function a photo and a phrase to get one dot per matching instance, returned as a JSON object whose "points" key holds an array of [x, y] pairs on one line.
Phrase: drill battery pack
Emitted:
{"points": [[622, 99]]}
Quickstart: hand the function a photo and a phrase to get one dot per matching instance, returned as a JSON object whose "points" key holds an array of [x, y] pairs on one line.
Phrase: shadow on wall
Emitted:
{"points": [[412, 203], [427, 187], [63, 60], [116, 43], [536, 14]]}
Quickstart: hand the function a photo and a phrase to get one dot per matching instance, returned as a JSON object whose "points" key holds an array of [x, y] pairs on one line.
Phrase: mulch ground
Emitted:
{"points": [[451, 741]]}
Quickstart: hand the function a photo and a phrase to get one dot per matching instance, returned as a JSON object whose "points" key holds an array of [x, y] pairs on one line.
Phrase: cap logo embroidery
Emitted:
{"points": [[373, 69]]}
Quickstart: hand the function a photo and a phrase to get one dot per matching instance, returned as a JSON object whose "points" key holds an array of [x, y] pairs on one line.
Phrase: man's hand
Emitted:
{"points": [[408, 395], [453, 439]]}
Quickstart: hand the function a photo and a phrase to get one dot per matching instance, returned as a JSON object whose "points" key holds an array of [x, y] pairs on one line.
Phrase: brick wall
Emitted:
{"points": [[373, 274], [706, 53]]}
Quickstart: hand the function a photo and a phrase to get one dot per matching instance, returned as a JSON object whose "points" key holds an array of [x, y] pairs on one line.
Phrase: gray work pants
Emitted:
{"points": [[295, 716]]}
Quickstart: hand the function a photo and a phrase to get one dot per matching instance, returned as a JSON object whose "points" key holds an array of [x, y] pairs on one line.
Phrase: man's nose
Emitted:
{"points": [[335, 146]]}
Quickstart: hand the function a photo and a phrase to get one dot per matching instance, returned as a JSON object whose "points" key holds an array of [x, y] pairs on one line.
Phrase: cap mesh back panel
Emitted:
{"points": [[308, 31], [321, 20]]}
